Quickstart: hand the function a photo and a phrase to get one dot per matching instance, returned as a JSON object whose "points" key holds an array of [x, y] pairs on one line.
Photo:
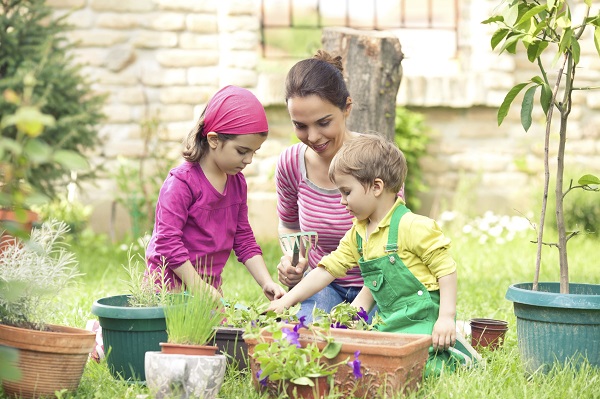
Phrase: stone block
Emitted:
{"points": [[151, 39], [121, 21], [236, 23], [187, 58], [189, 40], [96, 37], [122, 5], [132, 148], [241, 7], [183, 95], [262, 214], [239, 77], [79, 19], [204, 6], [117, 113], [89, 56], [119, 58], [128, 77], [154, 75], [172, 112], [242, 40], [240, 59], [202, 76], [65, 3], [201, 23], [132, 95], [164, 21], [177, 131]]}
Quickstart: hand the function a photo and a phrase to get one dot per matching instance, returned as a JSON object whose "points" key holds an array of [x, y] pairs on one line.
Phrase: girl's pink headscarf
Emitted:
{"points": [[234, 110]]}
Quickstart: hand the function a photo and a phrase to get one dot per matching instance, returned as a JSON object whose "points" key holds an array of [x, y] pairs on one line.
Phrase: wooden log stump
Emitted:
{"points": [[372, 69]]}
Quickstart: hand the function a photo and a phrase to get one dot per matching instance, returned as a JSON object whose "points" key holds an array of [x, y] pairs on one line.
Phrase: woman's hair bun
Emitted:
{"points": [[330, 59]]}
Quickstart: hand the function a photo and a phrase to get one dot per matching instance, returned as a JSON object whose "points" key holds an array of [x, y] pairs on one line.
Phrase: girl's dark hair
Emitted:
{"points": [[196, 143], [320, 75]]}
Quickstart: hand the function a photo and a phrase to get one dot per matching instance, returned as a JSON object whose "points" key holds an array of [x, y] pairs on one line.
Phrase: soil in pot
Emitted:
{"points": [[488, 333]]}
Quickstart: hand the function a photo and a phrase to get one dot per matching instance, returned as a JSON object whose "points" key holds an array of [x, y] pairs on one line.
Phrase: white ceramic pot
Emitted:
{"points": [[184, 376]]}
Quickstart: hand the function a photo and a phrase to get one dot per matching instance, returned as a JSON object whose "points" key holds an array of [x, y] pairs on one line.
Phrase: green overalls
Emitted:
{"points": [[403, 301]]}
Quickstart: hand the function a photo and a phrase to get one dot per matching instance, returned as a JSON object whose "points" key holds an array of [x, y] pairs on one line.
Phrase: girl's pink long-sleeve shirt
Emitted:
{"points": [[194, 221]]}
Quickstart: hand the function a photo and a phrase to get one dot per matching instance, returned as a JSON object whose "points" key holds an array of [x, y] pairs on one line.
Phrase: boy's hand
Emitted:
{"points": [[444, 333], [288, 274], [272, 290]]}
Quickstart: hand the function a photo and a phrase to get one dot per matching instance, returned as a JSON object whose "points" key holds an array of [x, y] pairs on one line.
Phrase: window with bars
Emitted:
{"points": [[292, 28]]}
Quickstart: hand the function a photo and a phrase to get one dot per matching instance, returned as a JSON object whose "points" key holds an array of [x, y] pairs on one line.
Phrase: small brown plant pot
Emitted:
{"points": [[181, 349], [488, 333]]}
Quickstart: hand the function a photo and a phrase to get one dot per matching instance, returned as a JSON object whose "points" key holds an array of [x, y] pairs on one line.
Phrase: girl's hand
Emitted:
{"points": [[288, 274], [444, 333], [272, 290], [277, 306]]}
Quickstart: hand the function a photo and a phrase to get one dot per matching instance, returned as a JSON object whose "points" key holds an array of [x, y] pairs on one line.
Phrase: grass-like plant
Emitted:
{"points": [[192, 316], [33, 273], [145, 290]]}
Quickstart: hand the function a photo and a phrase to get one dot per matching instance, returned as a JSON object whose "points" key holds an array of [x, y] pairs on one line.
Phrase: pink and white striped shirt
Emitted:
{"points": [[302, 205]]}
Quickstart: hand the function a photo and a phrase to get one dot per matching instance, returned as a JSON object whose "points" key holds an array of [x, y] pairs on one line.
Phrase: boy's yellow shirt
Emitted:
{"points": [[422, 246]]}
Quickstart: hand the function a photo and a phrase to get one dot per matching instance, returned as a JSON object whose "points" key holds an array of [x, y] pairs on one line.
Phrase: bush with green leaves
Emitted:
{"points": [[411, 137], [32, 43]]}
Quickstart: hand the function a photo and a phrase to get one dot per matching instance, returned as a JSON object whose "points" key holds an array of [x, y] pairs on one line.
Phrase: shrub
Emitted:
{"points": [[32, 42], [411, 136]]}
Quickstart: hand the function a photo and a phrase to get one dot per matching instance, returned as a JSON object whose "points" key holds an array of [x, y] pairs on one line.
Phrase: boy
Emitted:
{"points": [[404, 259]]}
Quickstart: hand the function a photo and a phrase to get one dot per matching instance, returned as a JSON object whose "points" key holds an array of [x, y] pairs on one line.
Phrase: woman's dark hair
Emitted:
{"points": [[320, 75], [196, 143]]}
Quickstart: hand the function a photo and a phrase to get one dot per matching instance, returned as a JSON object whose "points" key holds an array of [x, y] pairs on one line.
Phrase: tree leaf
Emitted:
{"points": [[587, 180], [71, 160], [527, 107], [332, 349], [495, 18], [498, 36], [511, 15], [565, 40], [588, 3], [597, 39], [511, 42], [550, 4], [37, 151], [531, 13], [545, 97], [575, 50], [510, 96]]}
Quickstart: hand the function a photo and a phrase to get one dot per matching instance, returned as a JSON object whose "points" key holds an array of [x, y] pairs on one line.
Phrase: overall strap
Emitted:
{"points": [[392, 244]]}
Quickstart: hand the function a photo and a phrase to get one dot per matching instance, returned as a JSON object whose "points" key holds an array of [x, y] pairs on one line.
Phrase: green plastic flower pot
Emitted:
{"points": [[554, 327], [128, 333]]}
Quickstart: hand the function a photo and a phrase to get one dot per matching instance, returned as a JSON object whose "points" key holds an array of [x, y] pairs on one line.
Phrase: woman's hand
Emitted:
{"points": [[272, 290], [288, 274], [444, 333]]}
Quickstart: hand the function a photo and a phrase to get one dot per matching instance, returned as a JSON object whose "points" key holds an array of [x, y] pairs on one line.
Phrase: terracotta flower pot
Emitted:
{"points": [[390, 363], [181, 349], [49, 360], [9, 217], [488, 333]]}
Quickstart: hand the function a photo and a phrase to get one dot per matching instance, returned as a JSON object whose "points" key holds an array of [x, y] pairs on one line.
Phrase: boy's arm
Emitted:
{"points": [[364, 299], [258, 269], [444, 330], [312, 283]]}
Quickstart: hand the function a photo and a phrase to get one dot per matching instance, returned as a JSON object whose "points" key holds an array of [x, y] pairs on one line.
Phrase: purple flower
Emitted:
{"points": [[300, 324], [355, 364], [291, 336], [262, 382], [337, 324], [362, 314]]}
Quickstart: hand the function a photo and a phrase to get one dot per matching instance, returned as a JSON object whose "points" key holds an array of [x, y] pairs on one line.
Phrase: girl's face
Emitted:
{"points": [[232, 156], [318, 123], [360, 202]]}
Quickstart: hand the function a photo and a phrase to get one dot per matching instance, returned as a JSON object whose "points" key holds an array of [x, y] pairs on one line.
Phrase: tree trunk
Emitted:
{"points": [[372, 69]]}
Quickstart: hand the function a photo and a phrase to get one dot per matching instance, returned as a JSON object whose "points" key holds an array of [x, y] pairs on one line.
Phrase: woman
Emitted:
{"points": [[319, 105]]}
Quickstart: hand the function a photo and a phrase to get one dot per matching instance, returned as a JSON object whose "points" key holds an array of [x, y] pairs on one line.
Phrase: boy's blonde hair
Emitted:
{"points": [[368, 157]]}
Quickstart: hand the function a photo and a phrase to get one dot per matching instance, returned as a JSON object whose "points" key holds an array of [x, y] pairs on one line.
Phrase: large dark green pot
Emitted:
{"points": [[554, 327], [128, 333]]}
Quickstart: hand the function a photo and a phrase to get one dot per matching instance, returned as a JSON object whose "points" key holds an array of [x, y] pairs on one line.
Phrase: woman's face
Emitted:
{"points": [[318, 123]]}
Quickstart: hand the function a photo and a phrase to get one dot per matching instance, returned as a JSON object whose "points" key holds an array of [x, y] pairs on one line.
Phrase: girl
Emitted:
{"points": [[202, 214]]}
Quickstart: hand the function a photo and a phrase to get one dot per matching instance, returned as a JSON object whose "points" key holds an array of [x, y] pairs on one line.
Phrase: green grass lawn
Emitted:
{"points": [[485, 271]]}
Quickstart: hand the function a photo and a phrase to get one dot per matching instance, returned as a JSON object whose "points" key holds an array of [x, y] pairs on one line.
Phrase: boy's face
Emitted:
{"points": [[360, 202]]}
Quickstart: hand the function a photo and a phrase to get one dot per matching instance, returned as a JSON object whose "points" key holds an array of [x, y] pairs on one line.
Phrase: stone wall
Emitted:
{"points": [[163, 59]]}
